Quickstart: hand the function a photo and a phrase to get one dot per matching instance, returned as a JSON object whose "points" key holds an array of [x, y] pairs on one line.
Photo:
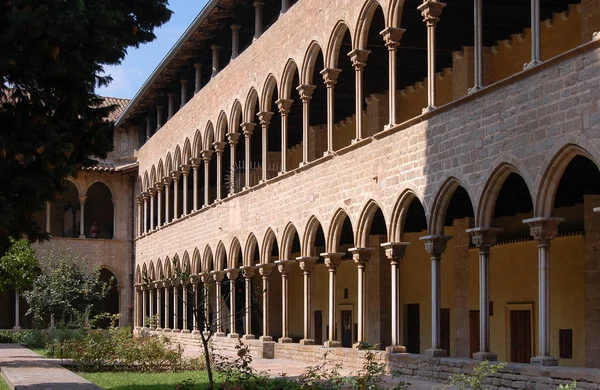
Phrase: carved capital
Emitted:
{"points": [[361, 256], [543, 229], [248, 271], [151, 191], [395, 251], [431, 11], [392, 37], [195, 162], [233, 138], [332, 259], [218, 276], [206, 277], [215, 47], [206, 155], [484, 237], [83, 198], [435, 244], [232, 274], [265, 269], [284, 266], [176, 175], [330, 76], [139, 199], [264, 118], [159, 186], [284, 105], [359, 58], [248, 129], [307, 263], [219, 147], [185, 169], [258, 4], [306, 91], [167, 181], [235, 27], [144, 195]]}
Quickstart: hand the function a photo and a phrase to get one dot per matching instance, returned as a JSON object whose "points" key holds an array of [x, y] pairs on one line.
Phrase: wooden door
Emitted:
{"points": [[346, 328], [445, 330], [318, 327], [520, 336], [413, 328], [473, 332]]}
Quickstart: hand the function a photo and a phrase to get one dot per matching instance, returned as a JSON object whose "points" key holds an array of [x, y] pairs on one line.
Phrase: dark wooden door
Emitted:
{"points": [[346, 328], [319, 327], [413, 328], [520, 336], [445, 329], [473, 331]]}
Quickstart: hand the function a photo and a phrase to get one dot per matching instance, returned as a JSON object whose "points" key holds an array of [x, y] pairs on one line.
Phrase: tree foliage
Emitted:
{"points": [[17, 266], [51, 121]]}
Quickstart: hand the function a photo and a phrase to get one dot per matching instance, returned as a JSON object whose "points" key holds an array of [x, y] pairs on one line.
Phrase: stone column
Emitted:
{"points": [[477, 47], [136, 308], [206, 155], [284, 6], [166, 287], [195, 163], [82, 214], [284, 267], [543, 229], [235, 40], [152, 304], [258, 16], [170, 105], [215, 60], [151, 194], [248, 272], [361, 257], [395, 251], [144, 303], [307, 264], [219, 148], [248, 129], [265, 119], [484, 238], [175, 176], [431, 11], [198, 77], [435, 245], [148, 127], [184, 293], [392, 37], [167, 182], [159, 206], [157, 287], [17, 312], [332, 261], [140, 215], [330, 76], [265, 271], [194, 283], [232, 275], [145, 216], [284, 106], [233, 140], [206, 280], [305, 92], [218, 277], [359, 61], [535, 35], [176, 309], [159, 116], [48, 218], [183, 99], [185, 171]]}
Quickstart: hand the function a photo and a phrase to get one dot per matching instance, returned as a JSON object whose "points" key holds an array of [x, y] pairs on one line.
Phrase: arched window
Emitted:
{"points": [[99, 212]]}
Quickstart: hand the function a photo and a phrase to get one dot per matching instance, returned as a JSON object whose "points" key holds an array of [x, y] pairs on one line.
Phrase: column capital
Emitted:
{"points": [[139, 199], [185, 169], [167, 181], [166, 283], [205, 277], [248, 271], [305, 91], [206, 155], [233, 138], [307, 263], [236, 27], [431, 11], [395, 251], [170, 95], [543, 228], [144, 196], [232, 273], [248, 128], [361, 256], [175, 175], [265, 269], [284, 105], [195, 162], [264, 117], [217, 275], [392, 37], [219, 147], [435, 244], [284, 266], [484, 237], [183, 80], [332, 259], [359, 58], [158, 185], [330, 76], [83, 198], [151, 191], [215, 47], [258, 3], [198, 65]]}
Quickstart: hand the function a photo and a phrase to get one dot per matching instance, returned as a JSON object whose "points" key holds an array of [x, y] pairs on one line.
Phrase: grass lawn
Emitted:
{"points": [[3, 385], [145, 380], [39, 351]]}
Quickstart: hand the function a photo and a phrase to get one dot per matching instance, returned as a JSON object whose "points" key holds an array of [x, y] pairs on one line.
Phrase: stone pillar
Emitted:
{"points": [[206, 155], [284, 6], [361, 257], [431, 11], [330, 76], [144, 303], [82, 215], [148, 127], [591, 238], [392, 37], [140, 219], [145, 217], [233, 140], [535, 35], [167, 182], [305, 92], [477, 47], [332, 261], [265, 119], [48, 218], [183, 99], [195, 163], [235, 40], [484, 239], [248, 272], [159, 116], [170, 105], [307, 264], [232, 275], [435, 245], [185, 171], [194, 283], [151, 194], [219, 148], [136, 308], [166, 286], [284, 267], [265, 271], [17, 312], [359, 61], [215, 60], [543, 229], [218, 277], [152, 305], [248, 129], [258, 16], [284, 106], [176, 309], [159, 206], [175, 176], [395, 251], [206, 282], [198, 77], [157, 287], [184, 293]]}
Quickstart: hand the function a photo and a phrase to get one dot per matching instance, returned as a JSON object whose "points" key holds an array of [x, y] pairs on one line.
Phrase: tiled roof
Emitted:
{"points": [[121, 105]]}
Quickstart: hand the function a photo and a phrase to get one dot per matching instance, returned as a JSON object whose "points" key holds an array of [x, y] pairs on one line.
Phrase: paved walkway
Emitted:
{"points": [[23, 369]]}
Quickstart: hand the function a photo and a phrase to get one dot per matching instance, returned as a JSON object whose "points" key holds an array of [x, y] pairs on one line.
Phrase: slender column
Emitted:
{"points": [[48, 216], [248, 129], [284, 267], [148, 127], [484, 238], [361, 257], [219, 148], [265, 271], [152, 305], [140, 217], [195, 163], [543, 230], [392, 37], [206, 280], [235, 40], [170, 105], [167, 183], [176, 309], [145, 220], [258, 16], [218, 278], [184, 292], [206, 155], [265, 119], [184, 83], [395, 251], [175, 175], [332, 261], [305, 92], [284, 106], [330, 76], [151, 194], [536, 56], [435, 245], [194, 283], [159, 116], [185, 171], [248, 272], [232, 275], [82, 215], [233, 140], [144, 303], [17, 311], [477, 47], [198, 77], [431, 11], [215, 60], [136, 308], [166, 287], [159, 207], [307, 264], [284, 6], [114, 204], [359, 61], [157, 287]]}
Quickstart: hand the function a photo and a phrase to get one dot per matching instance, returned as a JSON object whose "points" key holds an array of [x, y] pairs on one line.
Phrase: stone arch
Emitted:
{"points": [[221, 127], [287, 79], [196, 262], [146, 182], [396, 232], [144, 277], [544, 201], [168, 268], [160, 171], [335, 229], [152, 176], [207, 264], [99, 211], [197, 144], [394, 14], [138, 275], [249, 250], [159, 270], [234, 252], [235, 117], [267, 246], [364, 22], [287, 241], [220, 257], [266, 98], [441, 202], [187, 151], [250, 107], [209, 136], [151, 272], [365, 221], [335, 43], [186, 264], [308, 238], [176, 264], [309, 62], [177, 158], [168, 164]]}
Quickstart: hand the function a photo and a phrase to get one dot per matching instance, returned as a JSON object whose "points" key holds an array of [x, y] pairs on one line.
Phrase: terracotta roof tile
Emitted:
{"points": [[121, 105]]}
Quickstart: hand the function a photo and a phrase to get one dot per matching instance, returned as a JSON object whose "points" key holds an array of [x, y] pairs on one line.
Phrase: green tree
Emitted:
{"points": [[17, 266], [51, 121], [68, 287]]}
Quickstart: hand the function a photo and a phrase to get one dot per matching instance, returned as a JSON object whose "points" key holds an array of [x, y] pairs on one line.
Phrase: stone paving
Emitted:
{"points": [[24, 369]]}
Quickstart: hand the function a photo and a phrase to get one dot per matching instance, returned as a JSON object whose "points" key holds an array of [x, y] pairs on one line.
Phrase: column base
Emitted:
{"points": [[355, 141], [206, 334], [307, 342], [16, 327], [389, 126], [474, 89], [428, 109], [328, 153], [395, 349], [485, 355], [544, 361], [233, 336], [280, 173], [248, 337], [436, 352], [596, 36], [176, 331], [158, 329], [285, 340], [166, 330], [220, 334], [137, 328], [265, 338], [333, 344], [195, 331], [531, 64], [185, 331]]}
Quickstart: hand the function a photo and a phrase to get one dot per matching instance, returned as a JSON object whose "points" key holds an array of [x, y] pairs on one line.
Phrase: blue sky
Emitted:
{"points": [[139, 63]]}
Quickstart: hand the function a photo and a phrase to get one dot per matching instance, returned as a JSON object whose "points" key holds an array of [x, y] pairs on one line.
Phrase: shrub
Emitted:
{"points": [[475, 380]]}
